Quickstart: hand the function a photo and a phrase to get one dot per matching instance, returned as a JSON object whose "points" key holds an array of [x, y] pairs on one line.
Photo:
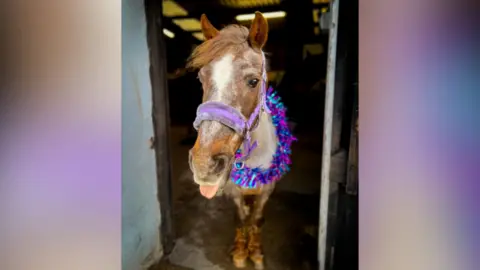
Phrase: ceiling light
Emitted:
{"points": [[315, 15], [172, 9], [199, 36], [321, 1], [188, 24], [168, 33], [248, 3], [267, 15]]}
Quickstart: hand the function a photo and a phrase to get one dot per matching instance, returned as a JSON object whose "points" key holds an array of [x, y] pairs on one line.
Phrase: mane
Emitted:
{"points": [[232, 38]]}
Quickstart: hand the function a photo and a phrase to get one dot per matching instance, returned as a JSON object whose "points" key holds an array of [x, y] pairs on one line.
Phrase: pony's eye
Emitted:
{"points": [[252, 83]]}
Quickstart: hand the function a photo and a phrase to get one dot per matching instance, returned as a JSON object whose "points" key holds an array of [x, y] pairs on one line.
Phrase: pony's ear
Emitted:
{"points": [[258, 31], [208, 30]]}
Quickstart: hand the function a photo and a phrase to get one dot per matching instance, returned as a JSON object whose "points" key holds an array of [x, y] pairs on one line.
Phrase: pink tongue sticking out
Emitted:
{"points": [[208, 191]]}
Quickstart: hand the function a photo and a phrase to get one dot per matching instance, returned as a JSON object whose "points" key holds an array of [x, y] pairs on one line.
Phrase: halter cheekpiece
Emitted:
{"points": [[231, 117]]}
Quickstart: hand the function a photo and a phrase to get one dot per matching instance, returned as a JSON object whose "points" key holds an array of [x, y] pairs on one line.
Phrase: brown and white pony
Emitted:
{"points": [[231, 65]]}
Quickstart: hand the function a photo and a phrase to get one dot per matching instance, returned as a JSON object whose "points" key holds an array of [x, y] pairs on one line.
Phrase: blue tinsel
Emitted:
{"points": [[252, 177]]}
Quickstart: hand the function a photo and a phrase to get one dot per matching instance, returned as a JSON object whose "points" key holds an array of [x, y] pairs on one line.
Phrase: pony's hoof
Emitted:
{"points": [[254, 249], [240, 253], [239, 261], [257, 261]]}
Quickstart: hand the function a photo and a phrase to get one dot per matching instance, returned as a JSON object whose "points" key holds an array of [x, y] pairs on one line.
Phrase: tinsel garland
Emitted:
{"points": [[247, 177]]}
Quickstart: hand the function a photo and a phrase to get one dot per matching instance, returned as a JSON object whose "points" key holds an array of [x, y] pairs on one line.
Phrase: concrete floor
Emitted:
{"points": [[205, 228]]}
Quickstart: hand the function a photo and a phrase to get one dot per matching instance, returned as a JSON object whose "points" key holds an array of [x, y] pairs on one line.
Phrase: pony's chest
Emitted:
{"points": [[233, 190], [250, 191]]}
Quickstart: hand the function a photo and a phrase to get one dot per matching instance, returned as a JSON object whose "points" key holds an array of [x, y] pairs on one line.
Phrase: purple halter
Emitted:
{"points": [[232, 118]]}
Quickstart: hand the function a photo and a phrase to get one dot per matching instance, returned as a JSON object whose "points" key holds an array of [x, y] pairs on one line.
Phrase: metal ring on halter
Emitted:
{"points": [[242, 165]]}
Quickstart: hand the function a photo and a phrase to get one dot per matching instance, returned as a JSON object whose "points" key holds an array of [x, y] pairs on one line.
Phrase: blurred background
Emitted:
{"points": [[62, 134]]}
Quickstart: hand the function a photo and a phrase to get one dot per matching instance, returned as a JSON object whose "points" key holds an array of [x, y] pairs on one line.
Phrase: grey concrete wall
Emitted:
{"points": [[140, 207]]}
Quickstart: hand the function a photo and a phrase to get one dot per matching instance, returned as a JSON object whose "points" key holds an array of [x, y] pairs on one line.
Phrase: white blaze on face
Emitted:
{"points": [[222, 74]]}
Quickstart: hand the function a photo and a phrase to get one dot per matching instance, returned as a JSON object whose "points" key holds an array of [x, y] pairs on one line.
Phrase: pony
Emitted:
{"points": [[243, 140]]}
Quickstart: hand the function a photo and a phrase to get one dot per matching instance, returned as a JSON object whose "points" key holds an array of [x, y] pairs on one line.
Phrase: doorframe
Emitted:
{"points": [[161, 120]]}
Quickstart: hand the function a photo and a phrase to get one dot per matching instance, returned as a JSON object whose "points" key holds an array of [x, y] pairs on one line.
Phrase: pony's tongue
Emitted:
{"points": [[208, 191]]}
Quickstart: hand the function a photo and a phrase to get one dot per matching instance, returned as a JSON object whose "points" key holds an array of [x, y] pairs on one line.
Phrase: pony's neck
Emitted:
{"points": [[265, 135]]}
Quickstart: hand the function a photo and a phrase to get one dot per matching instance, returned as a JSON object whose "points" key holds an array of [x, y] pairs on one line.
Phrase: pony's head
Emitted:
{"points": [[230, 64]]}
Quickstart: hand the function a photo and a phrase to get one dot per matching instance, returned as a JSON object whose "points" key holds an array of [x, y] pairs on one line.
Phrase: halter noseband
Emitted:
{"points": [[234, 119]]}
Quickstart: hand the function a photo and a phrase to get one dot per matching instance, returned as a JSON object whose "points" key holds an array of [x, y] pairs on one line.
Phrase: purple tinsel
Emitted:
{"points": [[251, 177]]}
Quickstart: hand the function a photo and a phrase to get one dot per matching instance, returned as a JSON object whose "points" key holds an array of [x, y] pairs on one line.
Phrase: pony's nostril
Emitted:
{"points": [[220, 163]]}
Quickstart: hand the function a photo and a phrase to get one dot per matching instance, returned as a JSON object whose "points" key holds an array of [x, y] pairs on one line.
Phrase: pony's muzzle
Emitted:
{"points": [[208, 169]]}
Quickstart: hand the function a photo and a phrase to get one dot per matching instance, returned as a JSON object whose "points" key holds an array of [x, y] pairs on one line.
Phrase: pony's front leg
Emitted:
{"points": [[254, 236], [240, 252]]}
